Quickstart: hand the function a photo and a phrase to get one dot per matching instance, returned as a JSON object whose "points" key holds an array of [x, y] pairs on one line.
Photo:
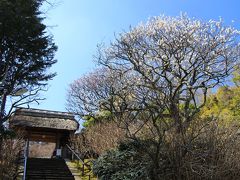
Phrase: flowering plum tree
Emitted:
{"points": [[155, 81], [88, 95], [171, 60]]}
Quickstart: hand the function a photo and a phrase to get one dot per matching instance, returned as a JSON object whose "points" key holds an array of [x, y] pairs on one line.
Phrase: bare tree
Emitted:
{"points": [[10, 156], [88, 95]]}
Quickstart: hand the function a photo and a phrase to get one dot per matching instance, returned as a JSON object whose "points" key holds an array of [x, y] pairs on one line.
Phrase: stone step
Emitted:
{"points": [[74, 170], [48, 169]]}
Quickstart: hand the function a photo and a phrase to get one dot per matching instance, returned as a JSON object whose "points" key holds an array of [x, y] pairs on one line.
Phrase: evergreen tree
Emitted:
{"points": [[26, 49]]}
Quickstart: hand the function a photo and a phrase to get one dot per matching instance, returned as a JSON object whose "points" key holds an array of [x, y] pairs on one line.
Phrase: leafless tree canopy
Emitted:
{"points": [[86, 94]]}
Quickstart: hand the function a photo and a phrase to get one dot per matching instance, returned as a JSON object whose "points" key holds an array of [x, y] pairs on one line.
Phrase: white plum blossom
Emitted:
{"points": [[172, 59]]}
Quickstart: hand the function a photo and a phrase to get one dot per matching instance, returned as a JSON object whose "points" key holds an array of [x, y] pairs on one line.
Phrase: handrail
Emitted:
{"points": [[25, 159], [25, 168], [75, 154], [82, 161]]}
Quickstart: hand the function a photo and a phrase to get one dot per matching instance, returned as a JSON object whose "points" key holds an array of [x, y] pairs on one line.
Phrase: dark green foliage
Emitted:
{"points": [[127, 162], [26, 50], [100, 117]]}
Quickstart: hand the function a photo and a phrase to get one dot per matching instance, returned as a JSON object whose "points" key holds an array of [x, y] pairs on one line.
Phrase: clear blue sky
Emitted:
{"points": [[79, 25]]}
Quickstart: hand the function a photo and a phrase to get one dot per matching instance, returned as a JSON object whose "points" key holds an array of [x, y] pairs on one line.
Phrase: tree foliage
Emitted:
{"points": [[26, 50], [223, 105], [124, 163]]}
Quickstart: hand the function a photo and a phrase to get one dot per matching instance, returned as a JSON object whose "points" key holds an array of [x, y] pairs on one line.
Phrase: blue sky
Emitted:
{"points": [[79, 25]]}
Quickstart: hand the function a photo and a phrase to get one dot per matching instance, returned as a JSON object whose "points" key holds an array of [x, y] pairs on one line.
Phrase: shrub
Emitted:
{"points": [[206, 151], [98, 138], [11, 147], [124, 163]]}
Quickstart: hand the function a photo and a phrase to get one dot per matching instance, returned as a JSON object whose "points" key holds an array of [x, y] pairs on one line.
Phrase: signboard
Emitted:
{"points": [[59, 152]]}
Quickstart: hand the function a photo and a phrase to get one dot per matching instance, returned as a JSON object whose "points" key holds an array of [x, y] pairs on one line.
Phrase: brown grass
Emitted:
{"points": [[98, 138]]}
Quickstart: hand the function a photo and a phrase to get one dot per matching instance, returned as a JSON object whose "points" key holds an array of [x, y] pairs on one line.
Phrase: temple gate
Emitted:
{"points": [[45, 126]]}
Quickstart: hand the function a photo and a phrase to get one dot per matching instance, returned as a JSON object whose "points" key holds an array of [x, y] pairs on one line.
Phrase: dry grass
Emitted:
{"points": [[205, 151], [98, 138]]}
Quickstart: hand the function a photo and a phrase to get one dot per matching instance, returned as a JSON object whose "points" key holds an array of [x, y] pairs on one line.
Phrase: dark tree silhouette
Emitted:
{"points": [[26, 52]]}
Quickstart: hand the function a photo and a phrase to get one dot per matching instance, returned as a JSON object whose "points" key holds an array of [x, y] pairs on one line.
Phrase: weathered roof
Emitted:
{"points": [[38, 118]]}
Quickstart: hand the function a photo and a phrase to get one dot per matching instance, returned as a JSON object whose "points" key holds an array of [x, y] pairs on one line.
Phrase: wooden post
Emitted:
{"points": [[72, 156], [83, 168], [57, 141], [27, 150], [26, 154]]}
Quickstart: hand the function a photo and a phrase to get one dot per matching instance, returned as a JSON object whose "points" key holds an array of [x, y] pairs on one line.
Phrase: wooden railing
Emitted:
{"points": [[80, 159], [26, 149]]}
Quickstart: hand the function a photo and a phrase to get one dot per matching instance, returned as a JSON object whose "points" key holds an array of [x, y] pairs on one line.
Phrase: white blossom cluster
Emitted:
{"points": [[158, 65], [173, 57], [177, 48]]}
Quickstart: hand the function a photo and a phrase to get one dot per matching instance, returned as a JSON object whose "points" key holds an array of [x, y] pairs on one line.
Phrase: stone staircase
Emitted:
{"points": [[74, 170], [47, 169]]}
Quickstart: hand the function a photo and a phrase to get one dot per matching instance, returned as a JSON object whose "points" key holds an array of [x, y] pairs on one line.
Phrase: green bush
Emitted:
{"points": [[126, 162]]}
